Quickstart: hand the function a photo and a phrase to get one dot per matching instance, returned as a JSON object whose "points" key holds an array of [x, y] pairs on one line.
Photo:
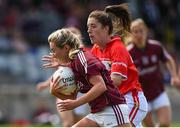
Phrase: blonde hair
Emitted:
{"points": [[137, 22], [64, 36], [78, 33], [140, 23], [75, 31]]}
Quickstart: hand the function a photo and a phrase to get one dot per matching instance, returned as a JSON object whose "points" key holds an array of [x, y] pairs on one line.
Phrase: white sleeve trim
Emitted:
{"points": [[120, 63], [124, 77]]}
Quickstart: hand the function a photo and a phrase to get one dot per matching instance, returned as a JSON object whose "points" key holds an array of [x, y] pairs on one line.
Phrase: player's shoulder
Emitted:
{"points": [[116, 43], [85, 55], [130, 46], [154, 43], [116, 40]]}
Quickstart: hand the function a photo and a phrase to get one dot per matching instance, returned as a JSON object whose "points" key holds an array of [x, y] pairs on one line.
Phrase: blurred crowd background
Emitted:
{"points": [[26, 24]]}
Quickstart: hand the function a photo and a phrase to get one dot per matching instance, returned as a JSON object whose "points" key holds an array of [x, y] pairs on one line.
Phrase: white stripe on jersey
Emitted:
{"points": [[166, 53], [124, 77], [120, 63], [129, 47], [83, 60], [168, 56]]}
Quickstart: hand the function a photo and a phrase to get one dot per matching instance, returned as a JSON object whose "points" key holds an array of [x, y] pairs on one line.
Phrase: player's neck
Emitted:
{"points": [[141, 44], [104, 42]]}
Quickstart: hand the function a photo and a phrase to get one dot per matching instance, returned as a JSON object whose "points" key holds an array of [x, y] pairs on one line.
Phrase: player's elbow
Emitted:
{"points": [[116, 79], [102, 87]]}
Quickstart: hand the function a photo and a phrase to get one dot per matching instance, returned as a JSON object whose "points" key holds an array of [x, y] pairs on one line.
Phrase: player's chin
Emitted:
{"points": [[92, 41]]}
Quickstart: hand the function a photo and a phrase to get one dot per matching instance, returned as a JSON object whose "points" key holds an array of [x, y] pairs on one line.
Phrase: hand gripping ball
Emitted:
{"points": [[67, 82]]}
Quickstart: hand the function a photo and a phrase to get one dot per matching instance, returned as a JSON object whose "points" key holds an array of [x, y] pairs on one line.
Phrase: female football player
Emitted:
{"points": [[147, 55], [107, 104]]}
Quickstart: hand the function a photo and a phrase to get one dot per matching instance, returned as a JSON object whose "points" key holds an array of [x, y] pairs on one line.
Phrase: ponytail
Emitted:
{"points": [[121, 19]]}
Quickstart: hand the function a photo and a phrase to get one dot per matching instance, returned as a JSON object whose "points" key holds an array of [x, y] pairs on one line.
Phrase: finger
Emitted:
{"points": [[47, 58], [57, 88], [60, 107], [58, 100], [58, 103], [61, 102], [52, 79], [47, 65], [62, 110], [56, 82]]}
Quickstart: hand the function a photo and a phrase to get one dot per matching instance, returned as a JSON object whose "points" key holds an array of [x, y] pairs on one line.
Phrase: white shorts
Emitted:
{"points": [[138, 107], [83, 109], [111, 116], [161, 101]]}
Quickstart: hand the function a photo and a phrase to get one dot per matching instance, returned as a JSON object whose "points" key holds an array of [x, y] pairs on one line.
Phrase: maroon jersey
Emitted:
{"points": [[147, 61], [86, 65]]}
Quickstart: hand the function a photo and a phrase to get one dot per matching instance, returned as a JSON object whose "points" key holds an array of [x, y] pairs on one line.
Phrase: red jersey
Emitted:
{"points": [[86, 65], [117, 60], [147, 62]]}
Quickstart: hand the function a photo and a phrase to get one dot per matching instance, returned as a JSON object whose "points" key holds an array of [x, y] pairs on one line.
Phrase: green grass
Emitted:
{"points": [[175, 124]]}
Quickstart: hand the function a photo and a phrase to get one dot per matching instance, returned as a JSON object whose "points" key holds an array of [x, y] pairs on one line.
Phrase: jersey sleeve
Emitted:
{"points": [[119, 61], [94, 68], [89, 64], [164, 54]]}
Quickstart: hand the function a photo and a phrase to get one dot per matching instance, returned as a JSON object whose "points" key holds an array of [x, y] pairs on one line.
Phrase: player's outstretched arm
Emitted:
{"points": [[42, 85], [173, 71], [51, 62]]}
